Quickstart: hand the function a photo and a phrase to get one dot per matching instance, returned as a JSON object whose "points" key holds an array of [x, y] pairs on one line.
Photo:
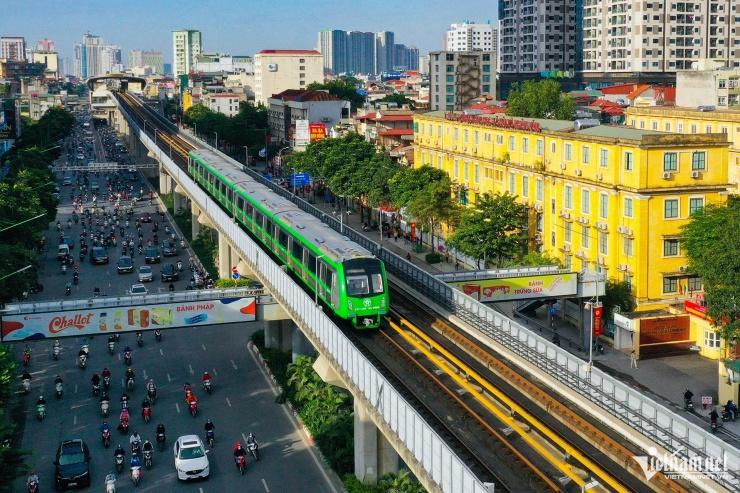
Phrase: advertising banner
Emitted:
{"points": [[101, 321], [598, 313], [302, 133], [519, 288], [7, 123], [318, 131], [665, 329]]}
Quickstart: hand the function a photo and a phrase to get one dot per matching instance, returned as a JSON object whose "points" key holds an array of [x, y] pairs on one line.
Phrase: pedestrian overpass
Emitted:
{"points": [[113, 314], [630, 413]]}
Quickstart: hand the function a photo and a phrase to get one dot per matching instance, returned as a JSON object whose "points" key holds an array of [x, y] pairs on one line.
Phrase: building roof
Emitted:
{"points": [[396, 131], [640, 89], [617, 132], [617, 89], [305, 95], [368, 116], [395, 118], [667, 93], [223, 95], [289, 52]]}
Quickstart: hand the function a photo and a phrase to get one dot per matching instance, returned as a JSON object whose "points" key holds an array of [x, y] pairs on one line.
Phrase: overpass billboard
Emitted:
{"points": [[101, 321], [519, 288]]}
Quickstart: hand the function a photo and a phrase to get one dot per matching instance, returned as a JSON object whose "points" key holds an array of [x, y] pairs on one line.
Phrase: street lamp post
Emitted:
{"points": [[22, 222], [591, 306], [280, 158], [16, 272], [216, 146], [246, 156], [195, 127]]}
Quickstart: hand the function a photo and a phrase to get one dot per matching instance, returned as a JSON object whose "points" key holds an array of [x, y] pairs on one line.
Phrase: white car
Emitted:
{"points": [[138, 289], [145, 274], [191, 459]]}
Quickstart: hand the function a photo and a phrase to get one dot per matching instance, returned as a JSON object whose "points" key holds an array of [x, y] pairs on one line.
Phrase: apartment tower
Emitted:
{"points": [[186, 44]]}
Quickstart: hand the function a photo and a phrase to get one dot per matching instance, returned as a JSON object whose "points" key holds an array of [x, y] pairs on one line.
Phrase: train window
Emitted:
{"points": [[239, 202], [297, 250], [258, 219], [357, 283], [268, 227], [283, 238], [377, 282], [312, 263]]}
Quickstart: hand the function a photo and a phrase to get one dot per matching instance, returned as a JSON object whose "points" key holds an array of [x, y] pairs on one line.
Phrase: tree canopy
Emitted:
{"points": [[494, 230], [712, 245], [246, 128], [343, 88], [539, 99]]}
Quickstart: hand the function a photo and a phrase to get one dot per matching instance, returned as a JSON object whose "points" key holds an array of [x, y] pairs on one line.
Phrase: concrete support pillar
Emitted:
{"points": [[195, 230], [278, 334], [374, 455], [301, 345], [224, 258], [165, 182]]}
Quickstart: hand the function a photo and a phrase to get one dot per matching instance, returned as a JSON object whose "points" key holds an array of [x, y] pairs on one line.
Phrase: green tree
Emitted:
{"points": [[617, 298], [493, 231], [540, 99], [534, 259], [712, 250], [402, 482], [343, 88], [12, 458], [399, 99]]}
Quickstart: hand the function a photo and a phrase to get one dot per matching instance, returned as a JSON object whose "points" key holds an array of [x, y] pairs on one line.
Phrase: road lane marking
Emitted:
{"points": [[200, 490], [161, 353], [265, 485], [145, 377], [74, 421], [177, 406], [191, 369], [75, 388], [168, 378], [244, 437], [204, 347], [119, 356], [234, 364], [214, 372], [228, 402]]}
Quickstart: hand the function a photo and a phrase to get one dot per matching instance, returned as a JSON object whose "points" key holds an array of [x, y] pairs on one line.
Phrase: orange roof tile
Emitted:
{"points": [[640, 89], [397, 131]]}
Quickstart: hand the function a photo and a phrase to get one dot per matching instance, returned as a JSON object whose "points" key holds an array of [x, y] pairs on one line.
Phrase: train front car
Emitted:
{"points": [[366, 292]]}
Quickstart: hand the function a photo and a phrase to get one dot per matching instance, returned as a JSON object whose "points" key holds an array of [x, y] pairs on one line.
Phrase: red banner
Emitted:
{"points": [[413, 231], [597, 320], [317, 131]]}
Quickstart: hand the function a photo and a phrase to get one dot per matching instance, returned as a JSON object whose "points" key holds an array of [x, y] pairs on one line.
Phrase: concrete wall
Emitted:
{"points": [[696, 88]]}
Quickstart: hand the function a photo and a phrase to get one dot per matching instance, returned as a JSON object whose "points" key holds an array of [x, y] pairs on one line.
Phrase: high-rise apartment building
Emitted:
{"points": [[405, 57], [186, 44], [13, 48], [459, 78], [384, 51], [469, 36], [360, 52], [592, 42], [135, 58], [46, 45], [333, 45], [89, 56], [278, 70], [143, 58], [110, 59]]}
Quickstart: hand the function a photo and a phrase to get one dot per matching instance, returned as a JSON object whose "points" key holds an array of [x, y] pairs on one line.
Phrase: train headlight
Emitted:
{"points": [[349, 305]]}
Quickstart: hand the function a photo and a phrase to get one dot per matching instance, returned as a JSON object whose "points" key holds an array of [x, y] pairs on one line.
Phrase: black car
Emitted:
{"points": [[72, 465], [169, 249], [151, 256], [125, 265], [99, 255], [169, 273]]}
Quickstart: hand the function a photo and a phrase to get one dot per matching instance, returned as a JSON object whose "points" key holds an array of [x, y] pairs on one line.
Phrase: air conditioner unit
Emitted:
{"points": [[601, 261], [538, 237], [563, 166], [454, 148], [629, 232], [566, 248], [538, 207], [583, 220], [682, 268], [599, 176], [621, 230], [578, 172], [623, 267], [475, 149], [580, 254], [436, 142], [666, 175], [566, 215], [465, 148], [694, 174], [326, 119]]}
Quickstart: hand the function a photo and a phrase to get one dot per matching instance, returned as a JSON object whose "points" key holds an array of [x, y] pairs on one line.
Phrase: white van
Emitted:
{"points": [[63, 251]]}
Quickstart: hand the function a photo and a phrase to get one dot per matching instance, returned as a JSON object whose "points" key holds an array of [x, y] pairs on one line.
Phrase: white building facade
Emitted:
{"points": [[186, 45], [278, 70], [13, 48], [469, 36]]}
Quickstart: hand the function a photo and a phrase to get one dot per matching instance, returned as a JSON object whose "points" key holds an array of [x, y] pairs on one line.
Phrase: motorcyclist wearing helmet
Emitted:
{"points": [[147, 446], [95, 379], [130, 373], [26, 376], [210, 426], [206, 378], [105, 373], [239, 451], [105, 426], [687, 397], [104, 397], [252, 440], [58, 380], [125, 400], [150, 387], [41, 401], [119, 451], [32, 478], [145, 405], [124, 416]]}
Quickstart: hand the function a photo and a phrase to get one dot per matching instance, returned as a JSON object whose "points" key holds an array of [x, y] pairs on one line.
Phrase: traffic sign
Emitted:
{"points": [[234, 270], [300, 179], [235, 276]]}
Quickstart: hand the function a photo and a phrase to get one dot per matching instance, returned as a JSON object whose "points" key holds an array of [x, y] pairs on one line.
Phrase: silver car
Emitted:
{"points": [[145, 274], [191, 460]]}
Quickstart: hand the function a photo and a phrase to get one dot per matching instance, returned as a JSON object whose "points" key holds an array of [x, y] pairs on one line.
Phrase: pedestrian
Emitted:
{"points": [[447, 257], [457, 265], [633, 359], [406, 239], [395, 236], [408, 257]]}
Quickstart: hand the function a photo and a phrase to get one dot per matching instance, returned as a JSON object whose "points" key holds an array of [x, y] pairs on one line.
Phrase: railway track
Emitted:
{"points": [[517, 436]]}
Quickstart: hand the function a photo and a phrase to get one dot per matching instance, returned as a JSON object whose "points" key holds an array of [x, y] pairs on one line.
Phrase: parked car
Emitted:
{"points": [[72, 465], [169, 273], [191, 458], [125, 265], [151, 256], [145, 274]]}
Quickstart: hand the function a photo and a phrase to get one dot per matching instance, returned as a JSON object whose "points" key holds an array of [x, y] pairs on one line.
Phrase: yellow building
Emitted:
{"points": [[692, 121], [607, 198]]}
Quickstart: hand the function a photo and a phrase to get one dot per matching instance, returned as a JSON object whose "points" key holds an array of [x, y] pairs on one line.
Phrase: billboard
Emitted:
{"points": [[519, 288], [100, 321], [302, 133], [317, 131], [7, 123]]}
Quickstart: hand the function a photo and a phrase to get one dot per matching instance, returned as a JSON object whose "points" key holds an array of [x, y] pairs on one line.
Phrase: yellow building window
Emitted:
{"points": [[586, 154], [585, 239], [585, 201]]}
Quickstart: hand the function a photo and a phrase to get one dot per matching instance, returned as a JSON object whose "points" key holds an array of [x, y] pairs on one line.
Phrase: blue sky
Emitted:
{"points": [[232, 26]]}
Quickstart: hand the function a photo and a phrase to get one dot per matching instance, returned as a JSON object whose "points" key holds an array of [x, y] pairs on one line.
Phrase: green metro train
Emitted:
{"points": [[347, 277]]}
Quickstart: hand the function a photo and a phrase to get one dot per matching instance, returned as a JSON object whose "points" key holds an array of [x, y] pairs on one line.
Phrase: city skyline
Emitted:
{"points": [[296, 23]]}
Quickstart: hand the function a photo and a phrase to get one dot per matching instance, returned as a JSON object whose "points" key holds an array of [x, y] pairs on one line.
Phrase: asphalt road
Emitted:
{"points": [[242, 399]]}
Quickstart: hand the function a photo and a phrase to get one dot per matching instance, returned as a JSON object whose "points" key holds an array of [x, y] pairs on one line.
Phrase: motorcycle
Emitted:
{"points": [[130, 383], [64, 269], [160, 440], [26, 386], [124, 426], [33, 487], [26, 359], [106, 438], [152, 394], [41, 411], [110, 484], [68, 289], [111, 347], [59, 390], [96, 389], [240, 464], [56, 351], [86, 349], [83, 361], [104, 408], [207, 386], [158, 335], [210, 435], [146, 413], [140, 340], [76, 278], [714, 425], [194, 408], [179, 266], [106, 382], [252, 448], [148, 459], [136, 449], [119, 463], [127, 358], [136, 475], [688, 405], [726, 416]]}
